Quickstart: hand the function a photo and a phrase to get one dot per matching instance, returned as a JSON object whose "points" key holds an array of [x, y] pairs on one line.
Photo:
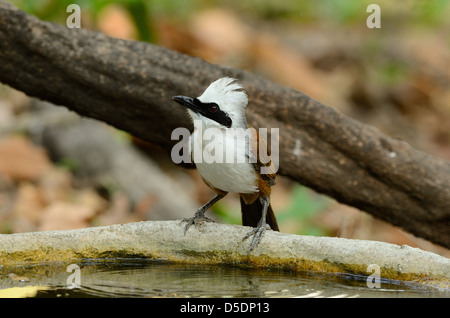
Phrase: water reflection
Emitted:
{"points": [[140, 278]]}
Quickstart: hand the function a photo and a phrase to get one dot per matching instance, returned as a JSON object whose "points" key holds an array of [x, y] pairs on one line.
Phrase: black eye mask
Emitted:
{"points": [[209, 110]]}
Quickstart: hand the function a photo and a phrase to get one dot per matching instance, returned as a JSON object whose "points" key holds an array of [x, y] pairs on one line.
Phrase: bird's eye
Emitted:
{"points": [[213, 108]]}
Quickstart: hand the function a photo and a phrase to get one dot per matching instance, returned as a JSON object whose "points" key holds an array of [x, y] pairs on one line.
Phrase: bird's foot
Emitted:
{"points": [[199, 217], [257, 234]]}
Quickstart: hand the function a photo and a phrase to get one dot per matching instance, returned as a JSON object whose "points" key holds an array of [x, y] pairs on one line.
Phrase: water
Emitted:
{"points": [[141, 278]]}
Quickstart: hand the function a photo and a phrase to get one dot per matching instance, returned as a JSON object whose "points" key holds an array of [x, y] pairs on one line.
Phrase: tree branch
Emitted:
{"points": [[129, 85]]}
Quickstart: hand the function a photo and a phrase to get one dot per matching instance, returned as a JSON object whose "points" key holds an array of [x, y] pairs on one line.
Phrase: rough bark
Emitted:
{"points": [[129, 85]]}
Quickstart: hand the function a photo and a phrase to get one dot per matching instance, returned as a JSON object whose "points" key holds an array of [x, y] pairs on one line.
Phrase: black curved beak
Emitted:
{"points": [[187, 102]]}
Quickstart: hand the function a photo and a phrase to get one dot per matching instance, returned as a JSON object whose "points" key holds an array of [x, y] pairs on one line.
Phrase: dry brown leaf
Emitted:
{"points": [[118, 211], [175, 38], [145, 205], [116, 22], [65, 216], [90, 198], [21, 160], [55, 185], [221, 31], [287, 67], [29, 204]]}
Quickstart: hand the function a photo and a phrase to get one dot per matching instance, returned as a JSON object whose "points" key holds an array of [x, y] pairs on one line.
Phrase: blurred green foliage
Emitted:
{"points": [[305, 205], [410, 12], [226, 214], [142, 12], [68, 164], [344, 11], [300, 214]]}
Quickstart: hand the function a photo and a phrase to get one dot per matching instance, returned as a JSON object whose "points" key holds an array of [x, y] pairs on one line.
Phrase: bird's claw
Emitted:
{"points": [[199, 217], [257, 234]]}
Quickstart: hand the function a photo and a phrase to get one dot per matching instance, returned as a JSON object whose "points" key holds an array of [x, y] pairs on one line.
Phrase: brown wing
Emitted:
{"points": [[259, 150]]}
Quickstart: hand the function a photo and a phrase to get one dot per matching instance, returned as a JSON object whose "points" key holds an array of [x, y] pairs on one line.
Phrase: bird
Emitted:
{"points": [[221, 108]]}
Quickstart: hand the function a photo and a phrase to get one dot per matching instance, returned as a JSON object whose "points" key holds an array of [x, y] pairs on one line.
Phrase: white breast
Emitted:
{"points": [[210, 157]]}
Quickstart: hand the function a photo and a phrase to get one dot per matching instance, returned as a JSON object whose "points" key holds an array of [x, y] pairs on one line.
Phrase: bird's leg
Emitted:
{"points": [[199, 216], [258, 231]]}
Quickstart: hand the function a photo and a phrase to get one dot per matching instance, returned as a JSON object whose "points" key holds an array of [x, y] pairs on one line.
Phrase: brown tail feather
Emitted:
{"points": [[252, 213]]}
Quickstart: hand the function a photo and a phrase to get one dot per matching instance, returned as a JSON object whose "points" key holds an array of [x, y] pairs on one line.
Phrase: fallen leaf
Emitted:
{"points": [[21, 160], [56, 185], [28, 205], [287, 67], [66, 216], [115, 21], [221, 31]]}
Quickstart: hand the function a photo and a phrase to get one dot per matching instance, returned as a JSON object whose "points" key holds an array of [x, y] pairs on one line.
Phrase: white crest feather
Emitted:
{"points": [[231, 98]]}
